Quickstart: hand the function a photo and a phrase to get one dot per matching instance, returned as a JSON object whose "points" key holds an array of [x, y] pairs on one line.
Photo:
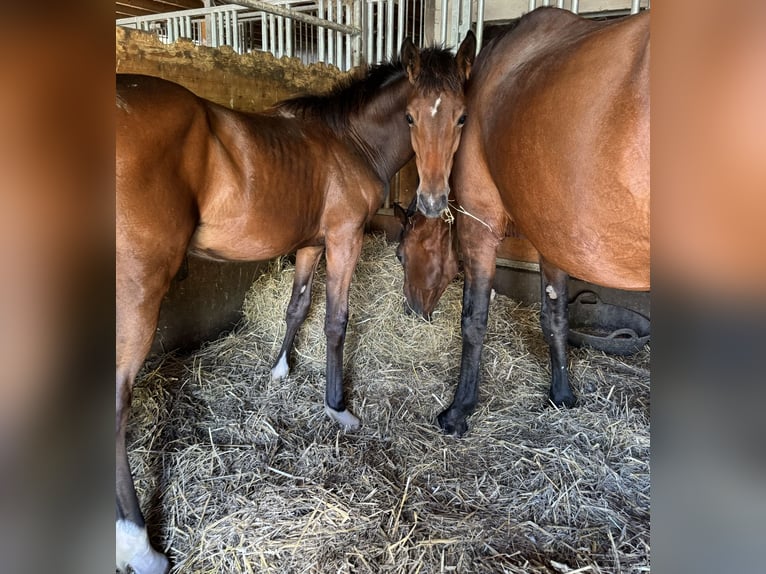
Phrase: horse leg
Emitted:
{"points": [[139, 295], [342, 255], [555, 325], [306, 261], [477, 287]]}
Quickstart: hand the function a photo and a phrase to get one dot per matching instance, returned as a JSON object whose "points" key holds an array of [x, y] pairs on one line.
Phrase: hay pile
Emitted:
{"points": [[241, 474]]}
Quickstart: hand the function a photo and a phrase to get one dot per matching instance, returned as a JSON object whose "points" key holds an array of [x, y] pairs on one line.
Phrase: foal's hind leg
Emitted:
{"points": [[306, 260], [342, 255], [555, 325]]}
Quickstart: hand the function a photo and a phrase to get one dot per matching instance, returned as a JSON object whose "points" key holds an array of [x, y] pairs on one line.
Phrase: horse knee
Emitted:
{"points": [[335, 327], [474, 331]]}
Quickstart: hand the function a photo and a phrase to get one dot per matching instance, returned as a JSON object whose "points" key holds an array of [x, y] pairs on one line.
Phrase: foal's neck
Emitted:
{"points": [[380, 131]]}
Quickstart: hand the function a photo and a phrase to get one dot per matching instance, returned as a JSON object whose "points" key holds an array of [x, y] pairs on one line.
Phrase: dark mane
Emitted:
{"points": [[347, 97], [439, 71], [352, 93]]}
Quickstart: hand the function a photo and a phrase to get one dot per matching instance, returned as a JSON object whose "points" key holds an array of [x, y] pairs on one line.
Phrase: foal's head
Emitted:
{"points": [[436, 113], [428, 256]]}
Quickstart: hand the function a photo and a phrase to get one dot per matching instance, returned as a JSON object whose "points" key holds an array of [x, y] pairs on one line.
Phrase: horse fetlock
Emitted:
{"points": [[281, 369], [344, 418], [135, 551], [562, 397]]}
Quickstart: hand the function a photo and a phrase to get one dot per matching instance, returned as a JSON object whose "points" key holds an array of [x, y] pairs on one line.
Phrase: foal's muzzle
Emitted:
{"points": [[432, 205]]}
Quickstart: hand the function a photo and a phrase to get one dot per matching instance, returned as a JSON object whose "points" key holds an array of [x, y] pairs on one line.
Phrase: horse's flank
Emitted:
{"points": [[574, 177]]}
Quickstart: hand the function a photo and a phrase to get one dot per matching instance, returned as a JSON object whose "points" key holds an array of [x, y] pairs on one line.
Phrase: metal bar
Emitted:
{"points": [[576, 6], [349, 9], [455, 24], [320, 32], [443, 37], [235, 32], [280, 36], [400, 24], [300, 16], [289, 25], [356, 41], [370, 35], [422, 24], [338, 35], [532, 5], [389, 29], [479, 25], [559, 3], [272, 34], [264, 33], [330, 36], [379, 42], [634, 6]]}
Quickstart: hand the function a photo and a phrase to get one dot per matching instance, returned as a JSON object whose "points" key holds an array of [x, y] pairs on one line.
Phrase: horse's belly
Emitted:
{"points": [[231, 242], [618, 266]]}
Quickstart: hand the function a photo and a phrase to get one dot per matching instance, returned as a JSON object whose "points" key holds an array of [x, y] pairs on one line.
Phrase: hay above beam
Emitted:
{"points": [[243, 474]]}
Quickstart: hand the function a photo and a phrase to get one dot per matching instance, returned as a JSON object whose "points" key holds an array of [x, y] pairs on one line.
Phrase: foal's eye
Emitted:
{"points": [[409, 119], [461, 119]]}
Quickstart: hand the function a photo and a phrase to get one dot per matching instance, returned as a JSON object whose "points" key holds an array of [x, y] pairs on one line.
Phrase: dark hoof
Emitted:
{"points": [[452, 423], [565, 399]]}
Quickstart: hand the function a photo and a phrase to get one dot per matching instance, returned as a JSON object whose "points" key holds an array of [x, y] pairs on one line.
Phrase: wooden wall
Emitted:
{"points": [[245, 82]]}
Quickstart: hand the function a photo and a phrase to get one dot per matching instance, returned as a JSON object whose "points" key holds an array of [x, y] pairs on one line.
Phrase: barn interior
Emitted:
{"points": [[242, 474]]}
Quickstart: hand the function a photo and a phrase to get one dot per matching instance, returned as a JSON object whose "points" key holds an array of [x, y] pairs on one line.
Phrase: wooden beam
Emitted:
{"points": [[124, 11], [182, 4], [144, 7]]}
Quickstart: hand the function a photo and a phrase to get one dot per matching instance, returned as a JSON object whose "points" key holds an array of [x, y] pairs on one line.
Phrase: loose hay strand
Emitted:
{"points": [[238, 473]]}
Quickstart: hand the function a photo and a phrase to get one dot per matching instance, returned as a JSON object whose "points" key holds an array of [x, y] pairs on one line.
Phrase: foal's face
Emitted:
{"points": [[436, 113], [428, 257], [436, 122]]}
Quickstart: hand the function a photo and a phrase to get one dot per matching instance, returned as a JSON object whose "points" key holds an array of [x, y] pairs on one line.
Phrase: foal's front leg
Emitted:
{"points": [[342, 254], [306, 261]]}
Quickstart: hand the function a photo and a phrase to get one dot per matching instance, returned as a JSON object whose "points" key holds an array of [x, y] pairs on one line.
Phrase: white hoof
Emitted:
{"points": [[134, 550], [280, 370], [344, 418]]}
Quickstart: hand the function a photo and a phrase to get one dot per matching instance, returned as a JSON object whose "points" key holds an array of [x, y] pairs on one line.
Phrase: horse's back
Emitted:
{"points": [[566, 141], [158, 120], [162, 143]]}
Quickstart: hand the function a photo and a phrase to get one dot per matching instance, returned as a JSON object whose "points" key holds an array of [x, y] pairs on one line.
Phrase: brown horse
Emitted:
{"points": [[428, 255], [556, 148], [195, 177]]}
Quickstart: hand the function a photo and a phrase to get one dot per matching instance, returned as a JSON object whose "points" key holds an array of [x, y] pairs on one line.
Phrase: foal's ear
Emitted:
{"points": [[410, 59], [400, 214], [466, 55]]}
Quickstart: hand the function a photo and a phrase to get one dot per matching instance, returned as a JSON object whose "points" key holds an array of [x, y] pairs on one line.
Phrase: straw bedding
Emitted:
{"points": [[237, 473]]}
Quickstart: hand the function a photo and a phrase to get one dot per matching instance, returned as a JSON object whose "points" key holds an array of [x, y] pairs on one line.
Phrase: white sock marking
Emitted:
{"points": [[133, 549], [344, 418], [435, 107], [281, 369], [551, 292]]}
